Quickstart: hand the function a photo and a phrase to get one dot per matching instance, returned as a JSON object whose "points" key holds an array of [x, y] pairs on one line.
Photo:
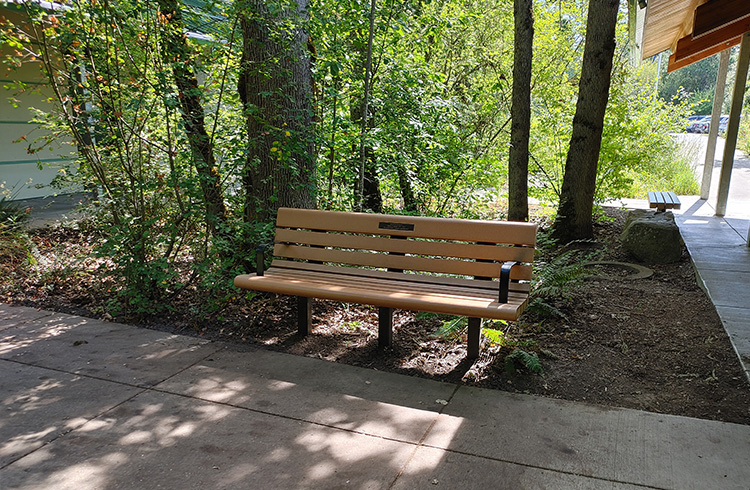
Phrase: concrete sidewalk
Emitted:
{"points": [[90, 404]]}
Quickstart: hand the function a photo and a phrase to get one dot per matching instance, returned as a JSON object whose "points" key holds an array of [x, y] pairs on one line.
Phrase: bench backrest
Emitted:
{"points": [[408, 243]]}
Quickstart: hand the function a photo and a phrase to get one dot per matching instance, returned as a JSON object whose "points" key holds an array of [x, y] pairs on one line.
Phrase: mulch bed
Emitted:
{"points": [[653, 344]]}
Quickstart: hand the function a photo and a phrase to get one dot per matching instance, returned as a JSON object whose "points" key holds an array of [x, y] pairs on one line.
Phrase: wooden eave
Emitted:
{"points": [[667, 21], [693, 29]]}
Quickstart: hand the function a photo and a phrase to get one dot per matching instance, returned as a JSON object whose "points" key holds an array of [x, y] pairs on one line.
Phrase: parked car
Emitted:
{"points": [[723, 121], [699, 124]]}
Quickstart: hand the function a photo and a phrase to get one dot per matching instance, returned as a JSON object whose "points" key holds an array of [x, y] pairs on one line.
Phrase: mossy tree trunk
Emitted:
{"points": [[275, 86], [575, 212]]}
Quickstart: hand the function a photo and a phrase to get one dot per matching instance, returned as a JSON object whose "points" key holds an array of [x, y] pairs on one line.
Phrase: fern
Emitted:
{"points": [[554, 281], [496, 337], [523, 358], [545, 308], [451, 328]]}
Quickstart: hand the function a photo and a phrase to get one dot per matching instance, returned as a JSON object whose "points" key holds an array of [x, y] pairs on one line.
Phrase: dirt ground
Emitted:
{"points": [[653, 343]]}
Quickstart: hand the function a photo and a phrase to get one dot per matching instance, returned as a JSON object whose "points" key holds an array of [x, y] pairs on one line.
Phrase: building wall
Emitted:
{"points": [[26, 174]]}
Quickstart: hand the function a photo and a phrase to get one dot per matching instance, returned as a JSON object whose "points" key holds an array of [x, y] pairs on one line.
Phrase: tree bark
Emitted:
{"points": [[575, 212], [407, 193], [367, 186], [520, 112], [178, 54], [275, 86]]}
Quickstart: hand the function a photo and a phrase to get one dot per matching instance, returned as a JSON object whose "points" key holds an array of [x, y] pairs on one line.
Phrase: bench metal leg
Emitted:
{"points": [[475, 325], [304, 315], [385, 326]]}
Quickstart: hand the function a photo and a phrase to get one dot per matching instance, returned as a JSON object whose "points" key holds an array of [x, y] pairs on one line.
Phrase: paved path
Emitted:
{"points": [[48, 211], [86, 404]]}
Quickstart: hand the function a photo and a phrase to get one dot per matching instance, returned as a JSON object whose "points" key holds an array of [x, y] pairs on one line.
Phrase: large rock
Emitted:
{"points": [[652, 237]]}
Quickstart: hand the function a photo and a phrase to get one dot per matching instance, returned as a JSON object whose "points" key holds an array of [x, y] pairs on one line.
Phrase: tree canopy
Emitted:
{"points": [[194, 121]]}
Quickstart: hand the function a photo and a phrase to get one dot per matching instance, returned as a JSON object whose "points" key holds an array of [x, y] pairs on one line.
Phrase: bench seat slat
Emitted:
{"points": [[663, 200], [384, 244], [381, 260], [397, 294], [394, 280], [673, 200], [415, 226], [416, 279], [384, 286]]}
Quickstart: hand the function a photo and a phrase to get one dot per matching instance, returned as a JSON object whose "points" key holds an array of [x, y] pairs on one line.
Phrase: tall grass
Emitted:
{"points": [[673, 169]]}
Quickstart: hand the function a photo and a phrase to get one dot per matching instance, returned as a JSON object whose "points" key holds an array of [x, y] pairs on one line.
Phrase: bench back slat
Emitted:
{"points": [[434, 245], [386, 261], [418, 247], [412, 278], [509, 233]]}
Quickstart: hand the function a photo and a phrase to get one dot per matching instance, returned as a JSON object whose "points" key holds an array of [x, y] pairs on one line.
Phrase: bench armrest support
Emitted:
{"points": [[260, 257], [505, 280]]}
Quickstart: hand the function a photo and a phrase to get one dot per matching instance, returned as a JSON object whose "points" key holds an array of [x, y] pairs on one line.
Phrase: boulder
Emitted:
{"points": [[652, 237]]}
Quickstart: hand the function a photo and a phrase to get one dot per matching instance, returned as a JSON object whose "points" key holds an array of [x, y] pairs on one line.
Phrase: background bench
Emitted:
{"points": [[477, 269], [663, 201]]}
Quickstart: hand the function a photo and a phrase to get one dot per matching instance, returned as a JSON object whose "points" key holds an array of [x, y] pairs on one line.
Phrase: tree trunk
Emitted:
{"points": [[178, 54], [372, 199], [575, 212], [520, 112], [275, 86], [407, 193]]}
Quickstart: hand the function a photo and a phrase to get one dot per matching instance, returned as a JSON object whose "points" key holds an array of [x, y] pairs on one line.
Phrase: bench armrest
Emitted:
{"points": [[505, 280], [260, 257]]}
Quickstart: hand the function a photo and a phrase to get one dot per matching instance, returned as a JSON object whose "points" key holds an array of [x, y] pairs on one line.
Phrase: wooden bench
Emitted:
{"points": [[663, 201], [477, 269]]}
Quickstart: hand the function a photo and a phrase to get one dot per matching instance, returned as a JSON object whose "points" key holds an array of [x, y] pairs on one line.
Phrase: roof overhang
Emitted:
{"points": [[198, 23], [693, 29]]}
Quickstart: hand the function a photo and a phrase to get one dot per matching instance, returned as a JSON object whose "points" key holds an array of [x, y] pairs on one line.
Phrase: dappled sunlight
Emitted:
{"points": [[215, 389], [25, 442], [28, 408], [136, 437], [101, 423], [337, 445], [9, 344], [213, 413], [302, 429], [276, 385], [244, 420], [160, 439], [27, 335], [335, 417], [33, 398], [93, 473], [165, 353]]}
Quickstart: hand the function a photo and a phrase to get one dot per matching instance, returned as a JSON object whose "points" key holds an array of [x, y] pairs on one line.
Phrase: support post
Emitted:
{"points": [[385, 327], [713, 129], [738, 95], [304, 315], [472, 351]]}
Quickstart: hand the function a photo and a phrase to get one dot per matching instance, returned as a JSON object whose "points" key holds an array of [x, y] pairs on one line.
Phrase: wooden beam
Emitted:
{"points": [[689, 46], [713, 129], [675, 64], [730, 144], [715, 15]]}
